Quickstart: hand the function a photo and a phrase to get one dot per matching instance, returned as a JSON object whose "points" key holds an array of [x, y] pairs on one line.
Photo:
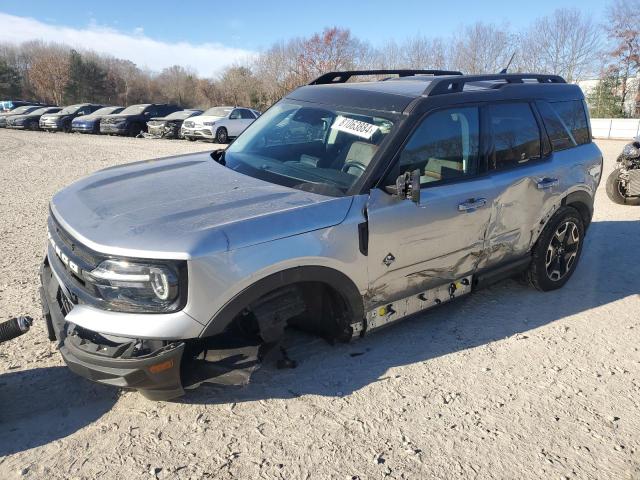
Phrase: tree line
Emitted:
{"points": [[568, 42]]}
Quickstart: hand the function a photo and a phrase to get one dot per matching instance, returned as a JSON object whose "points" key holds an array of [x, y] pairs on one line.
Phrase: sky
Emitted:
{"points": [[209, 35]]}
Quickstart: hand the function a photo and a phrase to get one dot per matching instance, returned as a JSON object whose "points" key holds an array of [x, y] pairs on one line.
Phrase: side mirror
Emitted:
{"points": [[407, 186], [218, 156], [80, 114]]}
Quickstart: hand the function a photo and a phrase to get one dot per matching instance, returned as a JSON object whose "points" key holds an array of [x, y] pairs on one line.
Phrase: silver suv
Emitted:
{"points": [[347, 206]]}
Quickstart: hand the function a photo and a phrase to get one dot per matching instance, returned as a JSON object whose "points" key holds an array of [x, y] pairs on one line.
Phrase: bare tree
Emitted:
{"points": [[49, 72], [623, 30], [565, 43], [416, 52], [483, 48], [178, 85]]}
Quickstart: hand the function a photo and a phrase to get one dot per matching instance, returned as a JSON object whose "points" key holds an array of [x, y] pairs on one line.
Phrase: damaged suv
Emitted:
{"points": [[344, 208]]}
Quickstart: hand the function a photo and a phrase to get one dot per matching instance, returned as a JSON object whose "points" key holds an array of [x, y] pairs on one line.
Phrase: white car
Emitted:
{"points": [[219, 124]]}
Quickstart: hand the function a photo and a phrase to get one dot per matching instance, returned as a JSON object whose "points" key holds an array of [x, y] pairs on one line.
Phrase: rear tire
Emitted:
{"points": [[221, 135], [557, 252], [615, 190]]}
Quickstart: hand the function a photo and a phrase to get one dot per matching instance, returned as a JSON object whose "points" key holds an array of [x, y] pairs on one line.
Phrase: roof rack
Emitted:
{"points": [[441, 86], [342, 77]]}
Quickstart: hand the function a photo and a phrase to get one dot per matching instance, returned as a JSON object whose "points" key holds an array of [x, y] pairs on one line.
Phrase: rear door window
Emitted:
{"points": [[515, 135], [246, 114]]}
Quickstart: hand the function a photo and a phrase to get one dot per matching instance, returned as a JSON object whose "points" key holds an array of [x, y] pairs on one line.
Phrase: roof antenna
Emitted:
{"points": [[504, 70]]}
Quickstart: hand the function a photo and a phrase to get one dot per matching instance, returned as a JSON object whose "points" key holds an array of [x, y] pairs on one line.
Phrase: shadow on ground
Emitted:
{"points": [[41, 405], [501, 311]]}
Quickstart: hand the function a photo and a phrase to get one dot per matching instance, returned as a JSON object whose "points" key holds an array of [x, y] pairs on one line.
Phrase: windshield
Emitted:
{"points": [[69, 110], [134, 109], [218, 112], [181, 115], [310, 147], [107, 110], [26, 109], [41, 111]]}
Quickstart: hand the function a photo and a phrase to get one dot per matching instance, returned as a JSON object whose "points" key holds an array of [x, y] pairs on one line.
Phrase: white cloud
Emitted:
{"points": [[206, 58]]}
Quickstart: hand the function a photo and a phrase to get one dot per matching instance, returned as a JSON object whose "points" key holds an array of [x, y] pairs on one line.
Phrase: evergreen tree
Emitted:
{"points": [[10, 81], [605, 100], [87, 80]]}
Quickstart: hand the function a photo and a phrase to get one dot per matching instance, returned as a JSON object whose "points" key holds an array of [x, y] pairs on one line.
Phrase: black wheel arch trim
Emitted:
{"points": [[581, 201], [337, 280]]}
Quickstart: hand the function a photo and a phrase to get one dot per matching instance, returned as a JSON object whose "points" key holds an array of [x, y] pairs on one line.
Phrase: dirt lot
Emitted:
{"points": [[508, 383]]}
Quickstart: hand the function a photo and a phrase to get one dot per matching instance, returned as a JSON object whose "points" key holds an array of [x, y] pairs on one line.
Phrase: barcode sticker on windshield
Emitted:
{"points": [[354, 127]]}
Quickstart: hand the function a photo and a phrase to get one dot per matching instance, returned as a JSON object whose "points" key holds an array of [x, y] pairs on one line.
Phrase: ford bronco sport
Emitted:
{"points": [[346, 207]]}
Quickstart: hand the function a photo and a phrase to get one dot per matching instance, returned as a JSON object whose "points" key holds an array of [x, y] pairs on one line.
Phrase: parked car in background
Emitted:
{"points": [[16, 111], [61, 121], [91, 123], [133, 120], [8, 105], [169, 126], [219, 124], [31, 120]]}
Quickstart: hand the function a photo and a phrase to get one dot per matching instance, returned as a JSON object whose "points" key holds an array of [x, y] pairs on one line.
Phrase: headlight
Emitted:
{"points": [[630, 151], [137, 287], [209, 124]]}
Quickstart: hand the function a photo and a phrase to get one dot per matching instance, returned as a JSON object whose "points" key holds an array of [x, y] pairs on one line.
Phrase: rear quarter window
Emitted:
{"points": [[566, 123]]}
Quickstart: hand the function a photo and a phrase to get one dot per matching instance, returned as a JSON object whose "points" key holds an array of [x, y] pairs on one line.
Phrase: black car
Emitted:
{"points": [[61, 121], [133, 120], [31, 120], [16, 111], [169, 126], [91, 123]]}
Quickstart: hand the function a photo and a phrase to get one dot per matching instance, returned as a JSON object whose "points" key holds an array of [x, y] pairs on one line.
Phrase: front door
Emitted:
{"points": [[415, 247]]}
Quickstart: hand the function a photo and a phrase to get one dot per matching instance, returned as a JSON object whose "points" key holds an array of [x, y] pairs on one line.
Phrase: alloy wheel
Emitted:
{"points": [[562, 251]]}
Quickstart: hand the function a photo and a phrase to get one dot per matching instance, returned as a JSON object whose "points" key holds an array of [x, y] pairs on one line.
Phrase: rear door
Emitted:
{"points": [[526, 177], [414, 247], [234, 123]]}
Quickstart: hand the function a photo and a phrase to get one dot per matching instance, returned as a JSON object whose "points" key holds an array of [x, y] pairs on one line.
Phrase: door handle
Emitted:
{"points": [[472, 204], [547, 183]]}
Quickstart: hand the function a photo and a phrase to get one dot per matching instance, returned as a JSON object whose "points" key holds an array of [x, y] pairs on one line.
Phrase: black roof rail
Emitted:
{"points": [[440, 86], [342, 77]]}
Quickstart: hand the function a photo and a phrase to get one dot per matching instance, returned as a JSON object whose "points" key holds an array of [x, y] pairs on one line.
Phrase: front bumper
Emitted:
{"points": [[204, 132], [155, 374], [83, 127], [54, 127], [111, 129], [163, 131]]}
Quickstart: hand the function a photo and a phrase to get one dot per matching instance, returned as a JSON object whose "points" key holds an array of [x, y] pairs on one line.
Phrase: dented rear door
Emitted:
{"points": [[527, 179]]}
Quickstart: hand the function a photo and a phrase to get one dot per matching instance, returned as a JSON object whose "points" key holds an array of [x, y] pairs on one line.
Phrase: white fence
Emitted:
{"points": [[620, 128]]}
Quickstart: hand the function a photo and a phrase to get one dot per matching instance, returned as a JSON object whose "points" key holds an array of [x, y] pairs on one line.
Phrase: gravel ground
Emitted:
{"points": [[507, 383]]}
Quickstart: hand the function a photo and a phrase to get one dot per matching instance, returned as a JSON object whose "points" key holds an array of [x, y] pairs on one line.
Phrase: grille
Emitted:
{"points": [[634, 183], [83, 257]]}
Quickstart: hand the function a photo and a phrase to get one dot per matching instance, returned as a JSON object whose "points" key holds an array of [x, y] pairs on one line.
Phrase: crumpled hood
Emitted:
{"points": [[182, 207]]}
